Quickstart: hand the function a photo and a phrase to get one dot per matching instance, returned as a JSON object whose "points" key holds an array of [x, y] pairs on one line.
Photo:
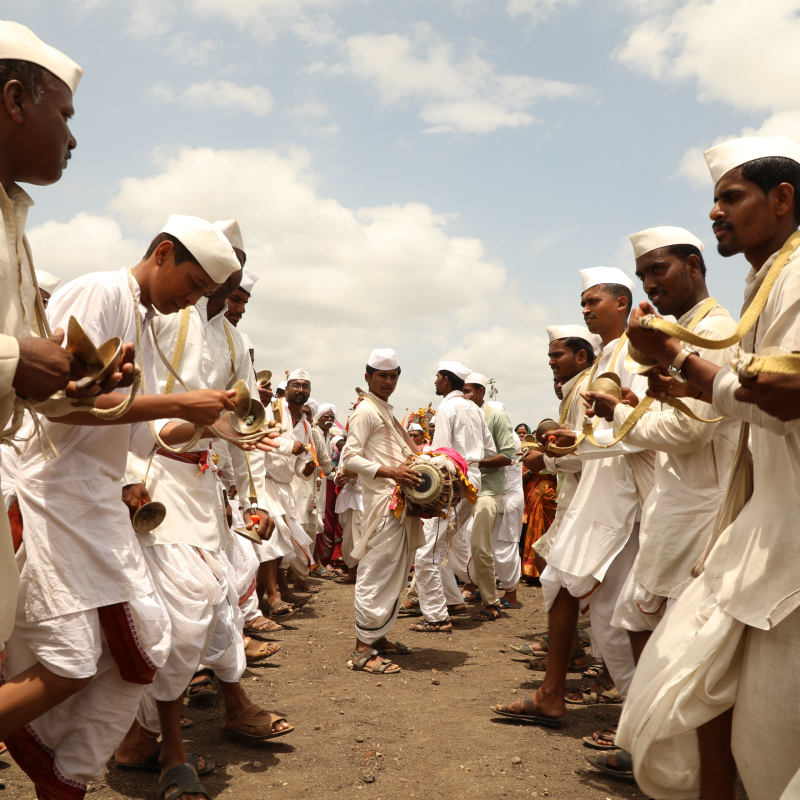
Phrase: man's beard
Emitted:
{"points": [[731, 247]]}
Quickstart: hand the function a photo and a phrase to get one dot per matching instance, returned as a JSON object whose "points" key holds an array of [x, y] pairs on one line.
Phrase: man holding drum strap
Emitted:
{"points": [[377, 448]]}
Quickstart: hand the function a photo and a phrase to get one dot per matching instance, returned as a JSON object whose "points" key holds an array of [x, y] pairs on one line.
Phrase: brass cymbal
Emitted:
{"points": [[250, 534], [264, 377], [607, 383], [253, 420], [637, 363], [148, 517], [241, 399], [100, 362]]}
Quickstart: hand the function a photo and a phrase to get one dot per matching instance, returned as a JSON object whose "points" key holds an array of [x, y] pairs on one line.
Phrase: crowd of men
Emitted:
{"points": [[156, 530]]}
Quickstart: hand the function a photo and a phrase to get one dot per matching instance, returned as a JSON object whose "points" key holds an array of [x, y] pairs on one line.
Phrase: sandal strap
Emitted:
{"points": [[184, 776], [360, 659]]}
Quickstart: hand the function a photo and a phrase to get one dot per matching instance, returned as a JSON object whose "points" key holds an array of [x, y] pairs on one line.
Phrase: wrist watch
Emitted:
{"points": [[676, 368]]}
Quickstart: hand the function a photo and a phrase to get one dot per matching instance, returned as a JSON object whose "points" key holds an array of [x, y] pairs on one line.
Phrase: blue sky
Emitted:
{"points": [[428, 175]]}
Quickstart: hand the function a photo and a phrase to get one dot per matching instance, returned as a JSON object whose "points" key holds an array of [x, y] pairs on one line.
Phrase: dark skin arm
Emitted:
{"points": [[401, 475], [135, 495], [776, 395], [533, 460], [603, 405], [495, 462]]}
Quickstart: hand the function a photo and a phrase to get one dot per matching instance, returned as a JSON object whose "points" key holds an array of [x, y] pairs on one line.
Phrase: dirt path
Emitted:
{"points": [[425, 733]]}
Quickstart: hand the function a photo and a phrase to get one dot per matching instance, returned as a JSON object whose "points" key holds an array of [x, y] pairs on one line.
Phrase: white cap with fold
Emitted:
{"points": [[249, 279], [597, 275], [415, 426], [653, 238], [573, 331], [458, 369], [47, 282], [232, 231], [722, 158], [299, 375], [20, 43], [210, 247], [477, 379], [383, 359]]}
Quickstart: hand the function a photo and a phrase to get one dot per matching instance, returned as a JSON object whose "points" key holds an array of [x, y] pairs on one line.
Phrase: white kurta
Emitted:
{"points": [[693, 462], [568, 467], [507, 529], [81, 550], [350, 508], [692, 669]]}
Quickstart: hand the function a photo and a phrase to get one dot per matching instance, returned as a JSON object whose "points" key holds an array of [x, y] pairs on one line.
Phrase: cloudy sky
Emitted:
{"points": [[427, 175]]}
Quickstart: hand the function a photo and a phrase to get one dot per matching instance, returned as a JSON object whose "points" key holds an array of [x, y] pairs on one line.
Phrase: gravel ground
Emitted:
{"points": [[427, 732]]}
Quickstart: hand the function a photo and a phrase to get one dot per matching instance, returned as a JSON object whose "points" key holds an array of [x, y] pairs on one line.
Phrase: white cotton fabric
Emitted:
{"points": [[383, 359], [47, 282], [21, 43], [83, 483], [724, 157], [382, 576], [351, 521], [597, 275], [555, 332], [436, 585], [232, 231], [208, 245], [654, 238], [456, 367], [299, 375], [508, 528]]}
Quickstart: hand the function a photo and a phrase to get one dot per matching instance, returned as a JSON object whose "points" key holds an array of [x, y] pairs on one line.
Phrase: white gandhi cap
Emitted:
{"points": [[20, 43], [458, 369], [211, 249], [597, 275], [299, 375], [722, 158], [555, 332], [653, 238], [383, 359], [249, 279], [477, 379], [47, 282]]}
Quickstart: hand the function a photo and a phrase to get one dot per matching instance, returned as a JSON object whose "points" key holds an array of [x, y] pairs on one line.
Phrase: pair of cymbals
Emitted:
{"points": [[148, 517], [249, 415], [100, 362], [263, 377]]}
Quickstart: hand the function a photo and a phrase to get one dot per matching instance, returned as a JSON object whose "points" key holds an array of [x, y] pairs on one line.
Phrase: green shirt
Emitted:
{"points": [[493, 480]]}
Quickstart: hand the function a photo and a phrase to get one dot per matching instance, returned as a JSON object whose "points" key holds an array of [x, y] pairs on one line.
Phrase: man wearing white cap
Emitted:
{"points": [[293, 459], [186, 555], [490, 496], [47, 285], [324, 417], [596, 544], [38, 83], [376, 450], [238, 299], [713, 687], [417, 434], [350, 509], [88, 614]]}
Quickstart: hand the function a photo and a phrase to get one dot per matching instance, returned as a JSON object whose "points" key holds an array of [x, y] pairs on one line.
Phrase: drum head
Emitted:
{"points": [[429, 489]]}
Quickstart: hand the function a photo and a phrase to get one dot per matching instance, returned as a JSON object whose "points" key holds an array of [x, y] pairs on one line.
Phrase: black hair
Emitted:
{"points": [[371, 370], [683, 251], [767, 173], [32, 76], [617, 290], [576, 344], [182, 253], [455, 382], [522, 425]]}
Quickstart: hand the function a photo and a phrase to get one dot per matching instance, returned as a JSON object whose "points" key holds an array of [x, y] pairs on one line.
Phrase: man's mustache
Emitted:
{"points": [[722, 224]]}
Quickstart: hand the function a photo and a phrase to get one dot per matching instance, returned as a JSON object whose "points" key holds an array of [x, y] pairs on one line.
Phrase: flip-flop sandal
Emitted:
{"points": [[261, 651], [457, 608], [261, 633], [624, 768], [430, 627], [528, 714], [186, 723], [358, 663], [185, 777], [505, 604], [281, 609], [472, 597], [380, 646], [202, 689], [250, 719], [527, 650], [539, 665], [409, 612], [484, 616], [610, 697], [152, 764], [608, 734], [306, 589]]}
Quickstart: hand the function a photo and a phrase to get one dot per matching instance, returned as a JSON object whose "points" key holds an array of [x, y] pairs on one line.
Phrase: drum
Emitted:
{"points": [[439, 490]]}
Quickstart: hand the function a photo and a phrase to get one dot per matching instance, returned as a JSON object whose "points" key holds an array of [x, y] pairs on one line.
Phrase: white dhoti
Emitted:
{"points": [[505, 541], [436, 586], [601, 598], [350, 520], [191, 586], [382, 576], [68, 746], [460, 555], [637, 609], [698, 663]]}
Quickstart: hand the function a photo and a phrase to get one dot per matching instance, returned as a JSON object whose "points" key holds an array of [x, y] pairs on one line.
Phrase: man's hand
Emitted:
{"points": [[204, 406], [600, 404], [309, 468], [533, 460], [45, 367], [652, 343], [122, 377], [232, 492], [660, 384], [776, 395], [135, 495], [563, 437], [265, 525], [297, 448], [402, 475], [340, 479]]}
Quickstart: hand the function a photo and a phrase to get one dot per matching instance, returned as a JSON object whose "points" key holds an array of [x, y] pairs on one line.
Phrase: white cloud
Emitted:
{"points": [[87, 243], [310, 110], [335, 281], [537, 10], [463, 96], [742, 53], [223, 95]]}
